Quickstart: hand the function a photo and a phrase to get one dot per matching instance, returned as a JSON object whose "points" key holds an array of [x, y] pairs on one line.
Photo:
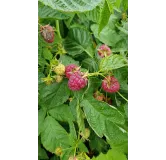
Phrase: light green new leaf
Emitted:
{"points": [[71, 5], [112, 62], [47, 54], [104, 17], [98, 112], [61, 113], [54, 135], [78, 41], [41, 116], [55, 94], [107, 35], [111, 155]]}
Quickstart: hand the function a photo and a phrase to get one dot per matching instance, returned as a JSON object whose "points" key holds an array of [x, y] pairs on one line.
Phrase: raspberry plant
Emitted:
{"points": [[83, 80]]}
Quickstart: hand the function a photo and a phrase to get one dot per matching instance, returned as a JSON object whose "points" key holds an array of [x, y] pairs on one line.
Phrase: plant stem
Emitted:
{"points": [[57, 29], [123, 97]]}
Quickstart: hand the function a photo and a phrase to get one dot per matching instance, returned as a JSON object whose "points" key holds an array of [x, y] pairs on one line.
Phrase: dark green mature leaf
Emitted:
{"points": [[41, 152], [92, 15], [116, 136], [104, 17], [97, 143], [61, 113], [122, 75], [66, 60], [112, 62], [126, 109], [90, 64], [55, 94], [71, 5], [111, 155], [41, 117], [54, 135], [78, 41], [98, 112], [48, 12]]}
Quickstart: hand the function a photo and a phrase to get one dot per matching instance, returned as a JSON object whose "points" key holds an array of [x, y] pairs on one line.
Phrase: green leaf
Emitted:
{"points": [[98, 112], [108, 36], [112, 62], [111, 155], [47, 54], [78, 41], [122, 75], [90, 64], [104, 17], [61, 113], [92, 15], [41, 152], [54, 135], [126, 109], [97, 143], [48, 12], [66, 60], [116, 136], [55, 94], [82, 147], [71, 5], [72, 130], [41, 116]]}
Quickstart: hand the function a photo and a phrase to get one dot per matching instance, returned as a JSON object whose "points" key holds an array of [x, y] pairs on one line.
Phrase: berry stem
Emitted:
{"points": [[57, 29], [123, 97]]}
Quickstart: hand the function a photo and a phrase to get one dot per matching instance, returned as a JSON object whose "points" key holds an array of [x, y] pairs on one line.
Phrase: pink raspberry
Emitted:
{"points": [[104, 51], [110, 84], [70, 69], [77, 81]]}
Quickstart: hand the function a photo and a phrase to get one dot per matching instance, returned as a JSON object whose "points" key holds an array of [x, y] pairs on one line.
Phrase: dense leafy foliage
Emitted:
{"points": [[77, 118]]}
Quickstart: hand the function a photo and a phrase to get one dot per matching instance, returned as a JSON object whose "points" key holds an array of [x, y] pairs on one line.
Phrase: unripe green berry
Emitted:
{"points": [[58, 151], [60, 69]]}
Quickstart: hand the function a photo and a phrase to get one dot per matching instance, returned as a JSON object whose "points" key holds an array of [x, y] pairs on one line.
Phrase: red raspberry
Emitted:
{"points": [[104, 51], [70, 69], [77, 81], [47, 33], [110, 84]]}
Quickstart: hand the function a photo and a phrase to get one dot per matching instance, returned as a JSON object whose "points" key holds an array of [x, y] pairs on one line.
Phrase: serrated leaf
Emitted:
{"points": [[66, 60], [48, 12], [112, 62], [61, 113], [55, 94], [78, 41], [47, 54], [126, 109], [54, 135], [82, 147], [104, 17], [92, 15], [41, 152], [71, 5], [98, 112], [72, 130], [41, 117], [116, 136], [90, 64], [111, 155], [122, 75]]}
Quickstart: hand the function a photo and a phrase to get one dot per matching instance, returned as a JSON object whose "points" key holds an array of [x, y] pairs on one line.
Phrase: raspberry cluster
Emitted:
{"points": [[110, 84], [104, 51], [77, 79]]}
